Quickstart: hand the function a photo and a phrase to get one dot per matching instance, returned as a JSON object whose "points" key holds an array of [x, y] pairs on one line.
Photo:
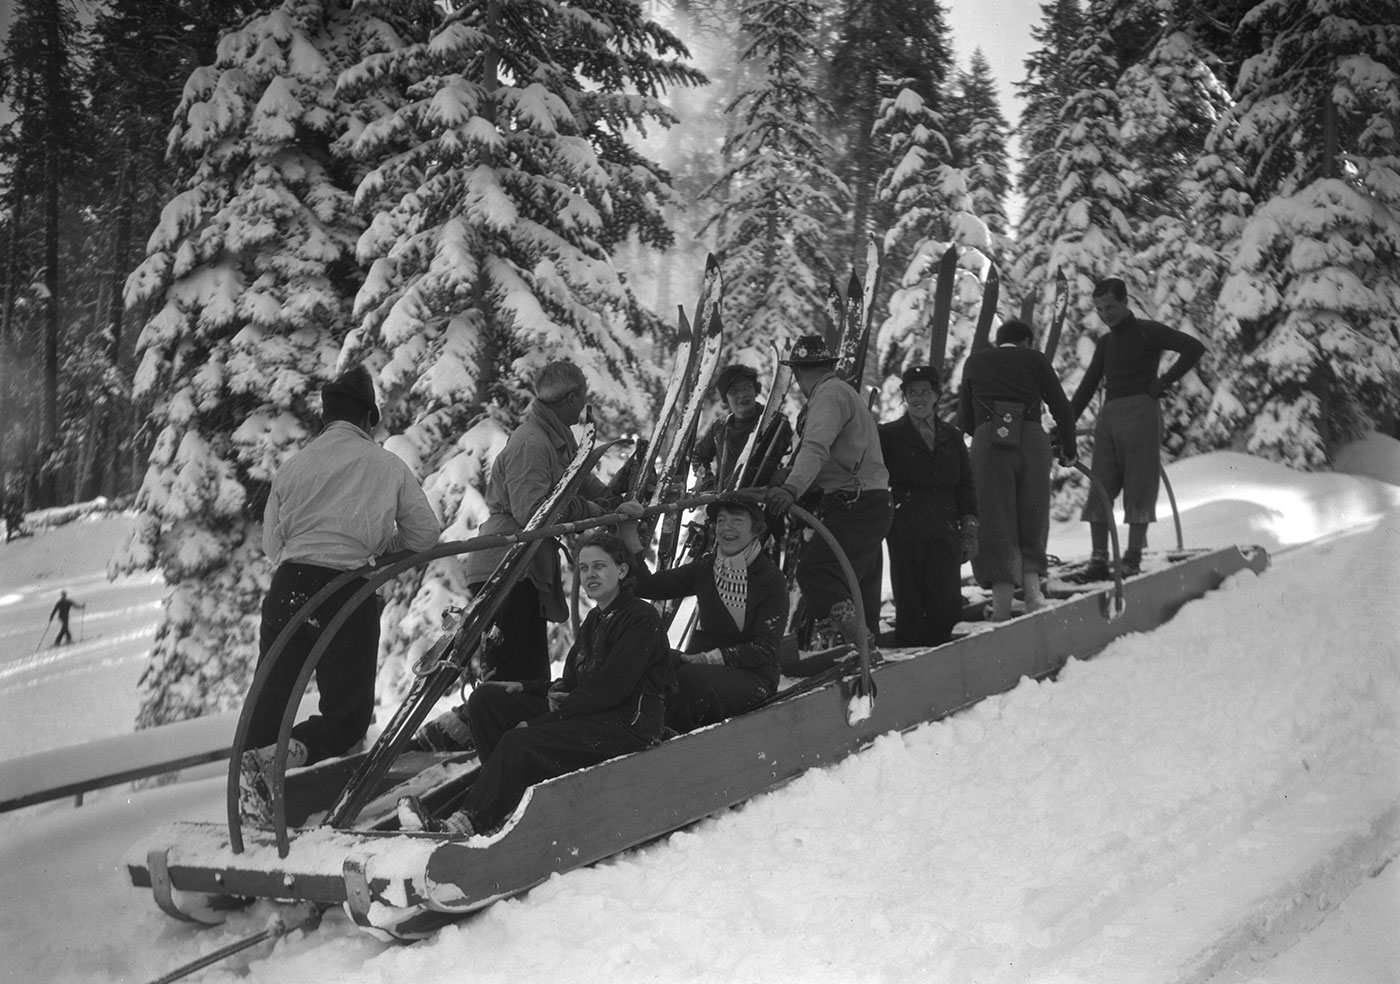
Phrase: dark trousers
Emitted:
{"points": [[926, 576], [344, 675], [1127, 458], [860, 528], [64, 635], [514, 758], [523, 653], [708, 693]]}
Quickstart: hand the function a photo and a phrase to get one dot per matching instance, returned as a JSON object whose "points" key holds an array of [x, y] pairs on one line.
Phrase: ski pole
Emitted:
{"points": [[41, 636]]}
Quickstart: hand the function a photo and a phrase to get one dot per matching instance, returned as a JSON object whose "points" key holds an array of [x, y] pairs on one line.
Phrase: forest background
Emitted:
{"points": [[207, 207]]}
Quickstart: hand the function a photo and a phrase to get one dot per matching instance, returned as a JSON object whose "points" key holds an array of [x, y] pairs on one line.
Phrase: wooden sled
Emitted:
{"points": [[406, 885]]}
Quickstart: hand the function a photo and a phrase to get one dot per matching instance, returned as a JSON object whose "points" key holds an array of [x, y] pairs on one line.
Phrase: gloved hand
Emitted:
{"points": [[778, 499], [631, 508], [1156, 388], [557, 695], [968, 538], [712, 656]]}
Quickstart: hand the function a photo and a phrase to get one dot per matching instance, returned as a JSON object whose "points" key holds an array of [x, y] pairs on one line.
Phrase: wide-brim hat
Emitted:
{"points": [[355, 383], [730, 375], [809, 350], [732, 500], [919, 374]]}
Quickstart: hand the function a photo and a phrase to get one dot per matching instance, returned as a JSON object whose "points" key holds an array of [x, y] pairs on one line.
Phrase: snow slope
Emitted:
{"points": [[1191, 801]]}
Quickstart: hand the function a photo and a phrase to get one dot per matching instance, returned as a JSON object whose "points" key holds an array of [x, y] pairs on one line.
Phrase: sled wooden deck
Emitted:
{"points": [[406, 883]]}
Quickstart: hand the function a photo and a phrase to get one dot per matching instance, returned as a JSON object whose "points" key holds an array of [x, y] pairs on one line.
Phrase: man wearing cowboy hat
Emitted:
{"points": [[335, 505], [720, 446], [839, 469]]}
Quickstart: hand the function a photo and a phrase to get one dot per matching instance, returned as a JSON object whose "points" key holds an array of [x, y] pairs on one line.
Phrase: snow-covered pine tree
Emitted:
{"points": [[499, 192], [980, 136], [1308, 313], [879, 43], [779, 195], [254, 264], [1046, 88], [931, 210], [1089, 229], [42, 148], [1171, 101]]}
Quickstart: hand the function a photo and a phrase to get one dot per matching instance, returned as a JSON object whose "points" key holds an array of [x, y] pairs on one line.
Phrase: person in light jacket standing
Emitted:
{"points": [[335, 505]]}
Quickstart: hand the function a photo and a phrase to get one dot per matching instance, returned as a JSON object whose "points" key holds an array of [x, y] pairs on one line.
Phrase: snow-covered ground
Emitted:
{"points": [[1181, 808]]}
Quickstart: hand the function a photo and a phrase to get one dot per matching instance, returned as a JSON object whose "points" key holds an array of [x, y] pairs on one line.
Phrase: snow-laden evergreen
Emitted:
{"points": [[1090, 231], [933, 210], [980, 137], [780, 196], [498, 191], [1171, 101], [1310, 312], [252, 268], [1046, 88]]}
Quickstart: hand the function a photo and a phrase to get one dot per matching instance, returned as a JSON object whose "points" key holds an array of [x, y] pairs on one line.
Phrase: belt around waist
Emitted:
{"points": [[1034, 418], [851, 495]]}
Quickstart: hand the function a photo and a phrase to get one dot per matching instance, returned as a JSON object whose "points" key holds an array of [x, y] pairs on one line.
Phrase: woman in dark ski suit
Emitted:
{"points": [[1003, 389], [935, 514], [741, 599], [610, 701]]}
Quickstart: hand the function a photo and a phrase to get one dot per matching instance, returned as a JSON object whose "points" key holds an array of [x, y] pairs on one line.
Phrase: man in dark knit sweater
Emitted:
{"points": [[1128, 432]]}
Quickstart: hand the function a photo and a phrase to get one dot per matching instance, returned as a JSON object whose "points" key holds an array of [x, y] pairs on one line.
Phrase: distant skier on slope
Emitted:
{"points": [[1128, 433], [62, 608]]}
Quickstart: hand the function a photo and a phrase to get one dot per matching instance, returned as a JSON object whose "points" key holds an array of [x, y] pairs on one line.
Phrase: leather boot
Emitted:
{"points": [[1031, 591]]}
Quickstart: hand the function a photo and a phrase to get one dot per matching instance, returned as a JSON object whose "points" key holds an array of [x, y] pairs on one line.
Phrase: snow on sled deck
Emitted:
{"points": [[405, 885]]}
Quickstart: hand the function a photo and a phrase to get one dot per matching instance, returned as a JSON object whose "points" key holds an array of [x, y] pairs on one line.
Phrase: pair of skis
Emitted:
{"points": [[852, 317], [1058, 311], [945, 282], [991, 295]]}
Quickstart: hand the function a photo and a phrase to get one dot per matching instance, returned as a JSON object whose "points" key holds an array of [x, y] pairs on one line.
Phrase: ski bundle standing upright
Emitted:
{"points": [[760, 451], [674, 461], [857, 318], [643, 462]]}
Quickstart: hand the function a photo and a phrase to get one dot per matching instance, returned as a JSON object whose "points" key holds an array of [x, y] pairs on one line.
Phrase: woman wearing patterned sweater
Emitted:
{"points": [[741, 599]]}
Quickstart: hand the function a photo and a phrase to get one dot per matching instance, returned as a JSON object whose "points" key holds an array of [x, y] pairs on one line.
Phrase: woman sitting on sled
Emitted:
{"points": [[609, 701]]}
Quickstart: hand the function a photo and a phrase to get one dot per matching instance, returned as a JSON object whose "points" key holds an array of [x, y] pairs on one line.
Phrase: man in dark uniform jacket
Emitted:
{"points": [[1128, 432], [934, 530]]}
